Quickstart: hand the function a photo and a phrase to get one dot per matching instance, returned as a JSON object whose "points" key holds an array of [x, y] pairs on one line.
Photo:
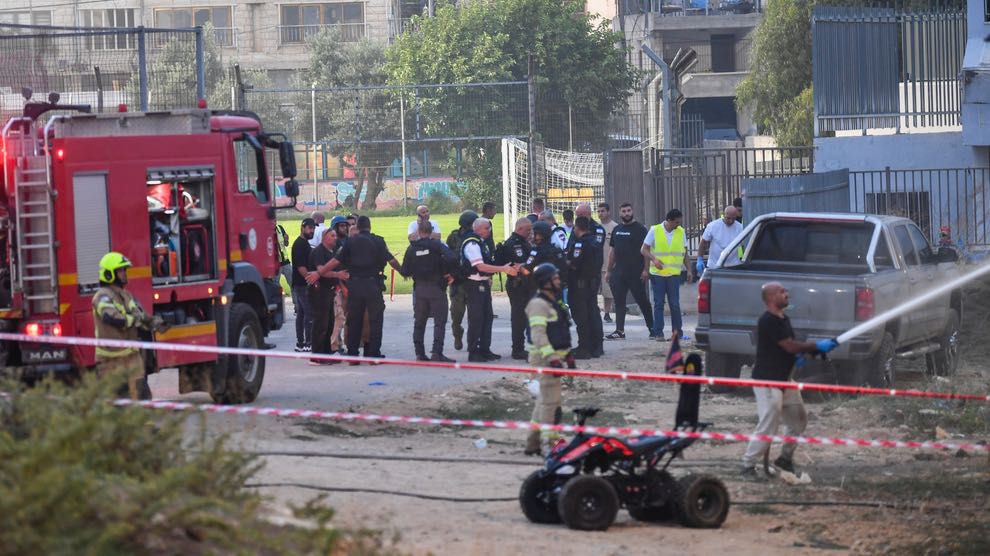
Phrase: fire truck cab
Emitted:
{"points": [[186, 195]]}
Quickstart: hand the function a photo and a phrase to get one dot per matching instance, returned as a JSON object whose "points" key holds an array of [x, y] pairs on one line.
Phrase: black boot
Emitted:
{"points": [[439, 357]]}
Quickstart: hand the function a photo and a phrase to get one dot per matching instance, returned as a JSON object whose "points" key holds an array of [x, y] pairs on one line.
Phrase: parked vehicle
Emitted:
{"points": [[584, 482], [184, 194], [841, 270]]}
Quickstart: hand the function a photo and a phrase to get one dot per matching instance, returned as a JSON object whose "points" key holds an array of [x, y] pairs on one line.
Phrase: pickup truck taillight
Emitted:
{"points": [[865, 307], [705, 295]]}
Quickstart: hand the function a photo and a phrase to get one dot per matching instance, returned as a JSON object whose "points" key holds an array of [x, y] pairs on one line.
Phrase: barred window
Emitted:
{"points": [[122, 19], [302, 21], [220, 17]]}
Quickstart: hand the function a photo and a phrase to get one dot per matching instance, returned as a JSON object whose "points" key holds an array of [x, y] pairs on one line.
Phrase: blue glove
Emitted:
{"points": [[826, 346], [800, 362], [700, 266]]}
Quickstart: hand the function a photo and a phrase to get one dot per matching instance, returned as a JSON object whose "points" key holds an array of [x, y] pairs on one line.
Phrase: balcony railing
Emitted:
{"points": [[674, 8], [295, 34]]}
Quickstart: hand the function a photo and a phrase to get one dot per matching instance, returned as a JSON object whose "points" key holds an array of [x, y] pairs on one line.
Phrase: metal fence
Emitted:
{"points": [[153, 69], [953, 197], [701, 182], [677, 8], [886, 68]]}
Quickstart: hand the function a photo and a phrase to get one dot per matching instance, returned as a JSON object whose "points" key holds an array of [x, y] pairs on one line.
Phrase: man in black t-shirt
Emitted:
{"points": [[321, 294], [627, 270], [300, 267], [777, 353]]}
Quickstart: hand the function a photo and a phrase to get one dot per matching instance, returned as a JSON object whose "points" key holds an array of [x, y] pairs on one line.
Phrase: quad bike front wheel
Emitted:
{"points": [[537, 499], [588, 503], [703, 502]]}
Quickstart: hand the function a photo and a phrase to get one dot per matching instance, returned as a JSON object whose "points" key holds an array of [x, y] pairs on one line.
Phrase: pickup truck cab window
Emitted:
{"points": [[881, 258], [925, 252], [908, 250], [813, 242]]}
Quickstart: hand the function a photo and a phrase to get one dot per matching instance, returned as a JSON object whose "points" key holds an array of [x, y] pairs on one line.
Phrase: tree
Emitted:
{"points": [[577, 63], [361, 122]]}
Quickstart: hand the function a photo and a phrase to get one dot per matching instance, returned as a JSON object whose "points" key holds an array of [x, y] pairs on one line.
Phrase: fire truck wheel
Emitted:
{"points": [[244, 373]]}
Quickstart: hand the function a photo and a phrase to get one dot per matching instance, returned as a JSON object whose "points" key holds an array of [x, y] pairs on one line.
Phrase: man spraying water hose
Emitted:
{"points": [[777, 354]]}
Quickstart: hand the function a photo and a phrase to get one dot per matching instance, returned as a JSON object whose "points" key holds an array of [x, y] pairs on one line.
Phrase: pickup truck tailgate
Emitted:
{"points": [[821, 304]]}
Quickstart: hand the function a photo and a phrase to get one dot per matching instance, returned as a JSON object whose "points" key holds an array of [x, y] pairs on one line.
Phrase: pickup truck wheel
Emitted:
{"points": [[879, 369], [722, 365], [244, 373], [944, 361]]}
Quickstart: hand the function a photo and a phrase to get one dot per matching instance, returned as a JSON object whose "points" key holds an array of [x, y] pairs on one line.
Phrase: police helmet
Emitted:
{"points": [[467, 219], [110, 264], [543, 273], [337, 220], [542, 228]]}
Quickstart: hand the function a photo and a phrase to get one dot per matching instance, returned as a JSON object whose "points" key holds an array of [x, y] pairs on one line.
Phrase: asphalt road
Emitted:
{"points": [[295, 383]]}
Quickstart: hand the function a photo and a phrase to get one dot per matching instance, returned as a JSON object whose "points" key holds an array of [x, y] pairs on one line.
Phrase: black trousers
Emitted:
{"points": [[431, 302], [519, 297], [321, 305], [583, 301], [365, 294], [629, 282], [480, 315]]}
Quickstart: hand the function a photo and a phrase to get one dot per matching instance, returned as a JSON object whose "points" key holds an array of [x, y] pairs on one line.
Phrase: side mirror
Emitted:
{"points": [[287, 159], [947, 255], [291, 187]]}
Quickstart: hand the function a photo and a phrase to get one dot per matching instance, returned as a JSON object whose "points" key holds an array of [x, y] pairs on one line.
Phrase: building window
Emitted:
{"points": [[178, 18], [24, 18], [122, 19], [305, 20]]}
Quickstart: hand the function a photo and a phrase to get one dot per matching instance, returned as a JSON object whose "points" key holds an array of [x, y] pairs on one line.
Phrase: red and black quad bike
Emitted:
{"points": [[585, 481]]}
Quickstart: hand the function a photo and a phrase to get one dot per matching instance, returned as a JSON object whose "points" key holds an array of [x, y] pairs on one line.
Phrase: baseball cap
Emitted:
{"points": [[308, 222]]}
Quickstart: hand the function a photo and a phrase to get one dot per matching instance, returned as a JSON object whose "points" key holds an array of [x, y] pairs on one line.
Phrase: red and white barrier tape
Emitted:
{"points": [[733, 382], [525, 425]]}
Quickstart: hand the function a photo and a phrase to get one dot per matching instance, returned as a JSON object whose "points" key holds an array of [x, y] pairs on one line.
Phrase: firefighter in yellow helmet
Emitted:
{"points": [[118, 316]]}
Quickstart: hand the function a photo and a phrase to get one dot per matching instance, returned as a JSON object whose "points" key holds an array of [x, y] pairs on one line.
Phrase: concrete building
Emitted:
{"points": [[258, 34], [720, 34]]}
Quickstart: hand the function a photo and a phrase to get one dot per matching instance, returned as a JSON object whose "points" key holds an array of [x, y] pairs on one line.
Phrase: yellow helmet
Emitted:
{"points": [[110, 264]]}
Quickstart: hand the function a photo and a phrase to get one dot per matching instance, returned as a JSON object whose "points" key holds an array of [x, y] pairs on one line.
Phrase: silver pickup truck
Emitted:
{"points": [[841, 270]]}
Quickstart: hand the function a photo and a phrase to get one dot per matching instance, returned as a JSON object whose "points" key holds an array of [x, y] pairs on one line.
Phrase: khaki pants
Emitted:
{"points": [[339, 319], [128, 369], [606, 295], [547, 409], [775, 407]]}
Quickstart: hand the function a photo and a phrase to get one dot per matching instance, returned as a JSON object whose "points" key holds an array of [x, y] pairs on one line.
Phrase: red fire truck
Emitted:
{"points": [[186, 195]]}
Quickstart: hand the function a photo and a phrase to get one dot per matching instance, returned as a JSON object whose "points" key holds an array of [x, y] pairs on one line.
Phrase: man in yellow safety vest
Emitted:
{"points": [[118, 316], [664, 248]]}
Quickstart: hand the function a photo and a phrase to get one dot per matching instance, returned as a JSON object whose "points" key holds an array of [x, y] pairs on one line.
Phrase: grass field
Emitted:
{"points": [[393, 229]]}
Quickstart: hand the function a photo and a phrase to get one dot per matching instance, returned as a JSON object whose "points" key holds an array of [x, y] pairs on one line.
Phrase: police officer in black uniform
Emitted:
{"points": [[584, 257], [597, 333], [515, 250], [478, 264], [544, 251], [429, 262], [458, 295], [364, 256]]}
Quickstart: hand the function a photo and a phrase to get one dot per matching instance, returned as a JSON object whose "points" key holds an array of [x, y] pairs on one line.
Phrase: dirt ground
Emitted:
{"points": [[904, 501]]}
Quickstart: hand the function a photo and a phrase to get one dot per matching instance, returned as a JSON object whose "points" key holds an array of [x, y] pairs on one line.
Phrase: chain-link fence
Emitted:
{"points": [[147, 69], [352, 141]]}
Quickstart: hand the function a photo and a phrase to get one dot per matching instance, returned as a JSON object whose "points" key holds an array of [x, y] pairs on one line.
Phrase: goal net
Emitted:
{"points": [[562, 178]]}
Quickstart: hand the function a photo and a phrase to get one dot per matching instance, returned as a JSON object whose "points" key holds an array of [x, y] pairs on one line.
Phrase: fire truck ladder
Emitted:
{"points": [[35, 278]]}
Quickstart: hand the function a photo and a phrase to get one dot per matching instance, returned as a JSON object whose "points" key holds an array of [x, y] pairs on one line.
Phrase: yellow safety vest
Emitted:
{"points": [[670, 254]]}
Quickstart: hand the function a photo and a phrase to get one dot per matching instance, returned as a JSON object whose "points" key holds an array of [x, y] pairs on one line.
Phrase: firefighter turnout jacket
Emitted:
{"points": [[549, 329], [118, 316]]}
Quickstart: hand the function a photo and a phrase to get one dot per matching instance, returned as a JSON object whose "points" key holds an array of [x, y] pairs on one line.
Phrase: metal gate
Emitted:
{"points": [[701, 182]]}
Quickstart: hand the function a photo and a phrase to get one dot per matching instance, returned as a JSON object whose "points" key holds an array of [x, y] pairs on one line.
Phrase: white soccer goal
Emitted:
{"points": [[566, 179]]}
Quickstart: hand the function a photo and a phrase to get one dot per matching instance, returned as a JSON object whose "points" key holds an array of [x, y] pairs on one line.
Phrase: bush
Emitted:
{"points": [[80, 475]]}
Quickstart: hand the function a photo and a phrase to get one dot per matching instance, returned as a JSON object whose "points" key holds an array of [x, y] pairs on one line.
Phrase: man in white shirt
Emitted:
{"points": [[718, 235], [478, 264], [422, 215], [320, 220], [558, 235]]}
